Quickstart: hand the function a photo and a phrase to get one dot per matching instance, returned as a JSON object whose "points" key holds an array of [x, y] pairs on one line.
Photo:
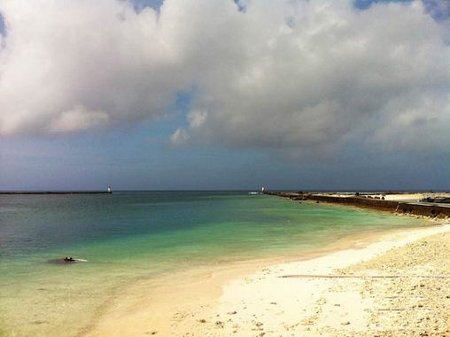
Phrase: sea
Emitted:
{"points": [[129, 236]]}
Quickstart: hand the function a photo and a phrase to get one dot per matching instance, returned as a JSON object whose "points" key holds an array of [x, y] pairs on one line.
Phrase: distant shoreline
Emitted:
{"points": [[52, 192]]}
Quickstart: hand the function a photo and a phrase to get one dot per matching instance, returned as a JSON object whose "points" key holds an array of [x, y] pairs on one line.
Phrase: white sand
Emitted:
{"points": [[306, 303], [305, 306]]}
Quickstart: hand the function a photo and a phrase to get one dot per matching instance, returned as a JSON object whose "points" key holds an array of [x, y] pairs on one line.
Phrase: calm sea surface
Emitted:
{"points": [[133, 235]]}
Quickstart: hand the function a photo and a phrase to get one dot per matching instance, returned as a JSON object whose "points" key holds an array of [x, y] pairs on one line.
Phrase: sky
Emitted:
{"points": [[201, 94]]}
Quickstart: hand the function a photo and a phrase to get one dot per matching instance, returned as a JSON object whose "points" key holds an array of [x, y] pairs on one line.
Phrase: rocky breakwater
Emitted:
{"points": [[366, 201]]}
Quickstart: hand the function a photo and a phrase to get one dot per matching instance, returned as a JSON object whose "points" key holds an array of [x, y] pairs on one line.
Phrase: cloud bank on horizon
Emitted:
{"points": [[299, 77]]}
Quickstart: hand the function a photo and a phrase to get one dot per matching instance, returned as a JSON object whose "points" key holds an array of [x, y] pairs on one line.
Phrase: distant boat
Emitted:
{"points": [[109, 190], [253, 193]]}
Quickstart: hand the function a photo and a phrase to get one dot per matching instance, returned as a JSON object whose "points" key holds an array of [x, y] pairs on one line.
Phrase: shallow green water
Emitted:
{"points": [[128, 236]]}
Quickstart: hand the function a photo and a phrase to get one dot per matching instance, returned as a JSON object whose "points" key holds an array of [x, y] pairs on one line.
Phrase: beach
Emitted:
{"points": [[205, 264], [397, 285]]}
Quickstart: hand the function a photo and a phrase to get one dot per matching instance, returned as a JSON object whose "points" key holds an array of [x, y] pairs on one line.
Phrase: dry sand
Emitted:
{"points": [[407, 197], [402, 197], [398, 286]]}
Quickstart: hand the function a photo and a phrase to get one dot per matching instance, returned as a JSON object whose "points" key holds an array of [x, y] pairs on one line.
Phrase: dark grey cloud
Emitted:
{"points": [[378, 77]]}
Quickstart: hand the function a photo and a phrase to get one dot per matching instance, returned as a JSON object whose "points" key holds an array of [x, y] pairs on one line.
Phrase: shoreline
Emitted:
{"points": [[51, 192], [238, 298]]}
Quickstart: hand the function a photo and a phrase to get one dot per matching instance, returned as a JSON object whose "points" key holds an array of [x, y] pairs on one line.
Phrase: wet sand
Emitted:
{"points": [[396, 284]]}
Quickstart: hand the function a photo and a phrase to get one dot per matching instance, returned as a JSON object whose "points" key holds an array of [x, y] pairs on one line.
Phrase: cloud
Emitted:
{"points": [[298, 77], [318, 75], [78, 118], [100, 55]]}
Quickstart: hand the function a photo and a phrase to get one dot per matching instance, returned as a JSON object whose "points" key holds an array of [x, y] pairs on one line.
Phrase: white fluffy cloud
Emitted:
{"points": [[297, 76], [68, 65]]}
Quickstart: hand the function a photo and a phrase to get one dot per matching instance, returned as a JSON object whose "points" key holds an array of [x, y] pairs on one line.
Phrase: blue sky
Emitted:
{"points": [[364, 4], [2, 25], [139, 152], [139, 4], [439, 9]]}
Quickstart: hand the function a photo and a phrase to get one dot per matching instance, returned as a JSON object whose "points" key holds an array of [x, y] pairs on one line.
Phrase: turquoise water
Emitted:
{"points": [[129, 236]]}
